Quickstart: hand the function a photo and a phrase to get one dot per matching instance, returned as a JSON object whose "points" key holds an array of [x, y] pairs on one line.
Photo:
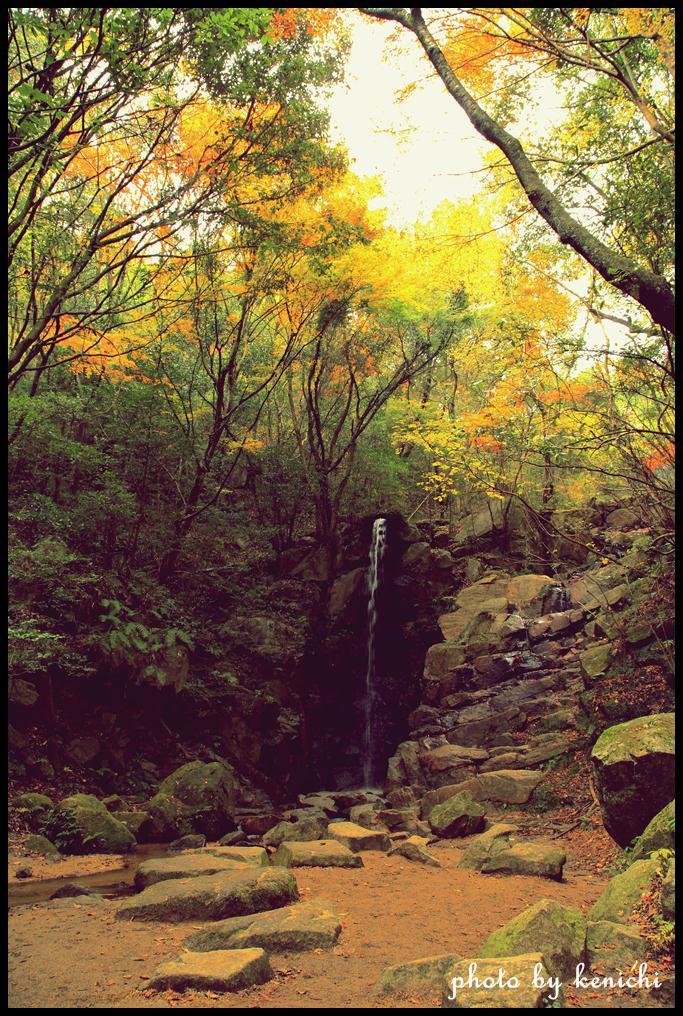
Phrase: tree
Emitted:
{"points": [[610, 54]]}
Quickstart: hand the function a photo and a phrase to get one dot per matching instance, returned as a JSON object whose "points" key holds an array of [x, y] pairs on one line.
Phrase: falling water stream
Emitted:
{"points": [[377, 548]]}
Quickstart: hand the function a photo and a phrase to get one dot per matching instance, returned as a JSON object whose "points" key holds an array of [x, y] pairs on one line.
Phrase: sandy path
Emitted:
{"points": [[392, 910]]}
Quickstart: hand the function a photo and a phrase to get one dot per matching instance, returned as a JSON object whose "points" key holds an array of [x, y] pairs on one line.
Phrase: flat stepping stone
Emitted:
{"points": [[249, 855], [159, 869], [417, 975], [316, 854], [544, 860], [357, 837], [222, 970], [244, 890], [305, 926]]}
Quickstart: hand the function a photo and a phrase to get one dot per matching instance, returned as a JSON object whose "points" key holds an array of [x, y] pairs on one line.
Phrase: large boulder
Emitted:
{"points": [[81, 824], [245, 890], [633, 764], [547, 927], [544, 860], [302, 927], [476, 984], [207, 791], [222, 970], [460, 815], [624, 891], [660, 834]]}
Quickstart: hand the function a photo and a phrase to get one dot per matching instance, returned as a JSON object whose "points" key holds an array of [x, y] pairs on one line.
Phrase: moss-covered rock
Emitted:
{"points": [[624, 891], [660, 833], [460, 815], [595, 661], [167, 820], [207, 792], [473, 984], [81, 824], [33, 809], [544, 860], [222, 970], [36, 844], [246, 890], [415, 976], [612, 947], [548, 927], [300, 928], [667, 896], [489, 843], [314, 828], [633, 764]]}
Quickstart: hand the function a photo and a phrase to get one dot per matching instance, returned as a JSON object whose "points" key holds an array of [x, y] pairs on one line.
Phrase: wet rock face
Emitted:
{"points": [[414, 575]]}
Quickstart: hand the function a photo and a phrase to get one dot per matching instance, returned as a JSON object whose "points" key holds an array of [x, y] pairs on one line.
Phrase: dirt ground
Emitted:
{"points": [[392, 910]]}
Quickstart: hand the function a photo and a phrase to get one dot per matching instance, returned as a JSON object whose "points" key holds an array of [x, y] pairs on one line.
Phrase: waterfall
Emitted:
{"points": [[377, 548]]}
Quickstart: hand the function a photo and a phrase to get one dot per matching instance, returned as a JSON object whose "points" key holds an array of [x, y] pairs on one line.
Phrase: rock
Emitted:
{"points": [[84, 826], [304, 830], [417, 557], [322, 802], [36, 844], [357, 838], [444, 765], [173, 669], [460, 815], [344, 589], [114, 803], [22, 693], [595, 661], [316, 854], [244, 890], [633, 764], [300, 928], [248, 855], [234, 838], [623, 892], [138, 823], [67, 902], [159, 869], [222, 970], [33, 809], [207, 791], [544, 860], [511, 786], [83, 750], [526, 593], [548, 927], [257, 825], [612, 947], [473, 983], [622, 518], [415, 976], [660, 834], [72, 889], [414, 849], [25, 871], [668, 892], [166, 820], [189, 842], [494, 839], [365, 815]]}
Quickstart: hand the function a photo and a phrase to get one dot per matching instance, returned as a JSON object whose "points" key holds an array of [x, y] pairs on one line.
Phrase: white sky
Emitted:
{"points": [[419, 147], [424, 148]]}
